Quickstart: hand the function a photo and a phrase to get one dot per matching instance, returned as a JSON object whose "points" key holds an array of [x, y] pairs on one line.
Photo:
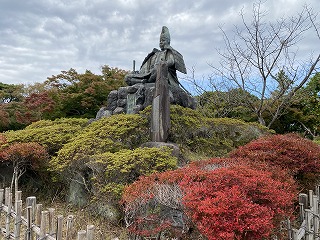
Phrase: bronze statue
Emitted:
{"points": [[141, 89], [148, 70]]}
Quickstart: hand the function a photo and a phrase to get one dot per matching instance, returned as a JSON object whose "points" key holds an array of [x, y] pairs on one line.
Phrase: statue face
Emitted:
{"points": [[163, 43]]}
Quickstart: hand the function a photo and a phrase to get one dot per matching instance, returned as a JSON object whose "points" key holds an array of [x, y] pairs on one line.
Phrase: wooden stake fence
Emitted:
{"points": [[309, 217], [36, 223]]}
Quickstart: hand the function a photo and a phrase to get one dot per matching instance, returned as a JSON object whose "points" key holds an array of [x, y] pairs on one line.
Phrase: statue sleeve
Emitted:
{"points": [[149, 56], [179, 62]]}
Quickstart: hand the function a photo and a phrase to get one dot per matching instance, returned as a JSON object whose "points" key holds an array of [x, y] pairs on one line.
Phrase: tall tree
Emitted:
{"points": [[303, 115], [261, 59], [230, 104], [83, 94], [11, 92]]}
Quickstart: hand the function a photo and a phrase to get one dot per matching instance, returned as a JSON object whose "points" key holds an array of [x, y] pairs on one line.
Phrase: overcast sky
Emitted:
{"points": [[40, 38]]}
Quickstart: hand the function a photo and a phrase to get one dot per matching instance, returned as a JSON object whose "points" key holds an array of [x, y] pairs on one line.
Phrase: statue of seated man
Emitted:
{"points": [[148, 70]]}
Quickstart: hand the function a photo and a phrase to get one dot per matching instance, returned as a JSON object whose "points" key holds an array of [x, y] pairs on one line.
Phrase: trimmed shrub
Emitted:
{"points": [[236, 202], [51, 134], [208, 137], [222, 198], [105, 135], [153, 205], [297, 155], [113, 171]]}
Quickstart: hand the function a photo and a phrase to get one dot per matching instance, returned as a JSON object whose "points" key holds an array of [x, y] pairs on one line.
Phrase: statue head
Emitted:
{"points": [[164, 38]]}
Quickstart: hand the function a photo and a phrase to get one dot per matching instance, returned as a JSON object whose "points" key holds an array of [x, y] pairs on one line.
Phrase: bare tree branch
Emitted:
{"points": [[260, 50]]}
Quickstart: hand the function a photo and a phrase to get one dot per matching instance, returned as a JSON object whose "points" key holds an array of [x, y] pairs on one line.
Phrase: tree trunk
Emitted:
{"points": [[261, 120]]}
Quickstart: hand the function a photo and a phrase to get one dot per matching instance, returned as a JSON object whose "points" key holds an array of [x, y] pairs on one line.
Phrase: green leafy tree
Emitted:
{"points": [[303, 115], [41, 104], [81, 95], [12, 108], [15, 115], [21, 105], [69, 94], [11, 93], [310, 106], [231, 104]]}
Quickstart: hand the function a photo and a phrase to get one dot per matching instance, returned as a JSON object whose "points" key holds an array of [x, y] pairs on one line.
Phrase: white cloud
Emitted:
{"points": [[42, 38]]}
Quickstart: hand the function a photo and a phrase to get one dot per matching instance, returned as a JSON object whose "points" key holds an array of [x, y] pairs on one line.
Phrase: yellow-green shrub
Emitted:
{"points": [[209, 136], [51, 134], [105, 135], [113, 171]]}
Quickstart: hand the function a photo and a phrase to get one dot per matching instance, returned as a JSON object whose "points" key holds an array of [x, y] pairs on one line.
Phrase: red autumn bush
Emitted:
{"points": [[22, 156], [277, 172], [222, 198], [236, 202], [153, 205], [299, 156]]}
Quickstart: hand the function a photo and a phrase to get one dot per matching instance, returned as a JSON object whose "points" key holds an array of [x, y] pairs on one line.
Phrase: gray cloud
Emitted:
{"points": [[41, 38]]}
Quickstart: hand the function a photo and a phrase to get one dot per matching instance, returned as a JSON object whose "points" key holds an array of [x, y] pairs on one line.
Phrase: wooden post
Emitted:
{"points": [[51, 220], [32, 202], [309, 231], [1, 196], [160, 115], [316, 216], [303, 204], [317, 190], [82, 235], [303, 198], [301, 212], [1, 199], [38, 214], [70, 219], [18, 210], [294, 234], [9, 201], [17, 196], [90, 232], [29, 223], [44, 224], [31, 208], [17, 224], [59, 227], [310, 199], [289, 229]]}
